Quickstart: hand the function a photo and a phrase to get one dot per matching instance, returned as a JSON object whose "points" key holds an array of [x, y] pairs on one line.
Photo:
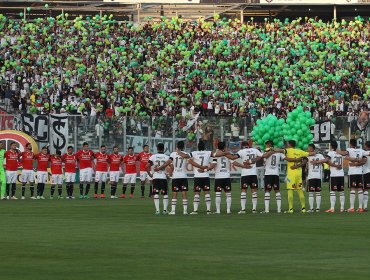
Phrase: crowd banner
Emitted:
{"points": [[58, 130]]}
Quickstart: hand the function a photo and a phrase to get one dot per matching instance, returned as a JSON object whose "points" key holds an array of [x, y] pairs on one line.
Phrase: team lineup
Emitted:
{"points": [[157, 169]]}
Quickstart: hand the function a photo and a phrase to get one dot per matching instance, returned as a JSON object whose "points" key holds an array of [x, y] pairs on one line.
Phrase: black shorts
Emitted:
{"points": [[160, 186], [180, 185], [337, 184], [202, 184], [249, 181], [314, 185], [272, 182], [355, 181], [223, 184], [367, 181]]}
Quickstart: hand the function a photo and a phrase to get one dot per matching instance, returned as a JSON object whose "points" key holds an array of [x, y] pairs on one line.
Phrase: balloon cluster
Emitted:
{"points": [[297, 127], [269, 128]]}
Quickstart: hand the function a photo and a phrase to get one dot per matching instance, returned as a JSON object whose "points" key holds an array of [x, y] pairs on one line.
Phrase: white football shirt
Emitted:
{"points": [[366, 166], [158, 160], [249, 154], [222, 169], [358, 154], [179, 166], [202, 158], [272, 164], [337, 159], [314, 170]]}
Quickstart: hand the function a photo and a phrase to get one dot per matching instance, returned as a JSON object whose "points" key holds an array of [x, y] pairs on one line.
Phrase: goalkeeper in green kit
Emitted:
{"points": [[2, 171]]}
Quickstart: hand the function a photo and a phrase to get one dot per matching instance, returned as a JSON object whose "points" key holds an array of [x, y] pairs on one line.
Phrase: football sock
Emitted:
{"points": [[311, 199], [150, 190], [333, 199], [208, 201], [278, 201], [360, 198], [165, 202], [87, 189], [290, 199], [196, 202], [267, 201], [32, 189], [38, 189], [52, 190], [228, 202], [71, 189], [96, 187], [218, 202], [352, 197], [124, 188], [342, 199], [173, 204], [156, 202], [81, 189], [113, 188], [301, 198], [318, 200], [8, 189], [243, 200], [102, 191], [366, 199], [142, 190], [14, 189], [185, 205], [68, 189], [254, 200], [23, 190], [42, 188], [60, 190], [132, 189]]}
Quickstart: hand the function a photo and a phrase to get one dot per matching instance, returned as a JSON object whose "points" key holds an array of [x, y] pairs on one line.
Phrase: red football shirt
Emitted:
{"points": [[130, 163], [27, 160], [143, 158], [69, 163], [85, 158], [12, 159], [115, 162], [42, 162], [101, 162], [56, 165]]}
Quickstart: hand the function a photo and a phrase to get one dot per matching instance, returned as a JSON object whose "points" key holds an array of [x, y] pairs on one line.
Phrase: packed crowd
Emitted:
{"points": [[94, 66]]}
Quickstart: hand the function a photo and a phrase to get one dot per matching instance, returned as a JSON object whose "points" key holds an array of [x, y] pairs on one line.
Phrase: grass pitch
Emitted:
{"points": [[123, 239]]}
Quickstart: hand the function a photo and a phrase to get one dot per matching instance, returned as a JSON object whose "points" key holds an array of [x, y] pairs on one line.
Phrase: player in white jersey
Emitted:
{"points": [[200, 160], [272, 179], [356, 157], [159, 178], [366, 172], [249, 156], [179, 178], [335, 161], [222, 179], [314, 177]]}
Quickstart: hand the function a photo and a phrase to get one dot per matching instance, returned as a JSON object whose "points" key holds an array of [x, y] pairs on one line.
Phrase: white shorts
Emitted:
{"points": [[70, 177], [42, 176], [129, 178], [11, 177], [144, 175], [101, 176], [114, 176], [28, 176], [86, 175], [57, 179]]}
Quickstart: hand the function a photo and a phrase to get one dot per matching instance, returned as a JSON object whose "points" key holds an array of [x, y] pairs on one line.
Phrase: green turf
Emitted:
{"points": [[122, 239]]}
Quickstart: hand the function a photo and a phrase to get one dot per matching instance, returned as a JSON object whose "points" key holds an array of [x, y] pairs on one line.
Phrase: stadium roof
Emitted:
{"points": [[138, 10]]}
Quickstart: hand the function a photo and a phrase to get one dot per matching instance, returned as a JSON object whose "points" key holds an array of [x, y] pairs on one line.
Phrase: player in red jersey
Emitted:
{"points": [[130, 172], [56, 163], [143, 158], [69, 160], [102, 162], [116, 162], [12, 160], [27, 157], [42, 171], [85, 158]]}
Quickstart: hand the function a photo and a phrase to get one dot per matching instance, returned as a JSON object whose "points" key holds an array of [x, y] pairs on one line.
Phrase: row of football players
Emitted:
{"points": [[221, 160], [88, 162]]}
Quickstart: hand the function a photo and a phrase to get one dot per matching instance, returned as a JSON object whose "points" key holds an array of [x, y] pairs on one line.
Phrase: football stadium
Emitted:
{"points": [[184, 139]]}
